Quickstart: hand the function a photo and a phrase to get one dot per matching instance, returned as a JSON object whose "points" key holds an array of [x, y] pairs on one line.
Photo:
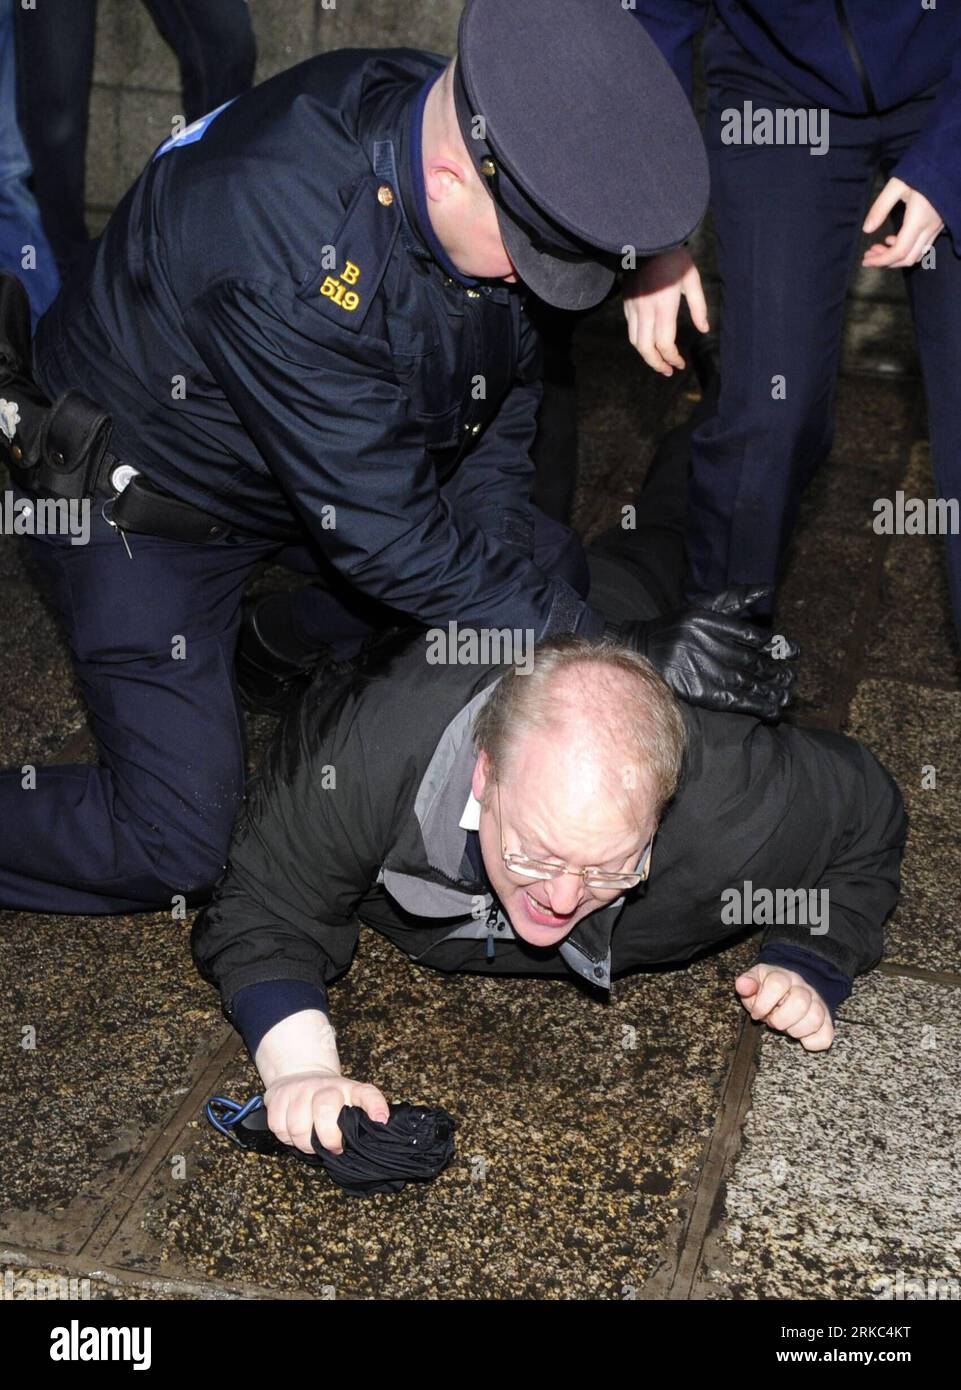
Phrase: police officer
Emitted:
{"points": [[307, 321]]}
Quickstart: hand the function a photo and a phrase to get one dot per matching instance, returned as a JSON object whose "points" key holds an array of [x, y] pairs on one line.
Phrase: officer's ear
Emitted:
{"points": [[446, 178], [482, 777]]}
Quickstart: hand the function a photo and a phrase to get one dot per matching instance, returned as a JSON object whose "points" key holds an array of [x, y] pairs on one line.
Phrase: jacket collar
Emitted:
{"points": [[392, 133], [413, 192], [438, 809]]}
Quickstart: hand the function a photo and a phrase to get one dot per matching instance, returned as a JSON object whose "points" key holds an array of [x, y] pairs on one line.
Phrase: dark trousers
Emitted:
{"points": [[555, 448], [639, 572], [153, 639], [788, 236], [215, 47]]}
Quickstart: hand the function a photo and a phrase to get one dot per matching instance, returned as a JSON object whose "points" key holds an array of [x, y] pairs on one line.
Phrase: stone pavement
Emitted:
{"points": [[662, 1146]]}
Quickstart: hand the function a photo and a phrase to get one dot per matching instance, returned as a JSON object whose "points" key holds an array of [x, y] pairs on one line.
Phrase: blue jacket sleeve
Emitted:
{"points": [[256, 1009], [495, 484], [337, 432], [673, 25], [933, 163]]}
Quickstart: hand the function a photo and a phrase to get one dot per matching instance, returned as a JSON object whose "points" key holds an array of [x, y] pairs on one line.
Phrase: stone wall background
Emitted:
{"points": [[136, 91]]}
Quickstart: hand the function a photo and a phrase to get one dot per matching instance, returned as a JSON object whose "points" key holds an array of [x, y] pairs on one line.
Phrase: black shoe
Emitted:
{"points": [[269, 682]]}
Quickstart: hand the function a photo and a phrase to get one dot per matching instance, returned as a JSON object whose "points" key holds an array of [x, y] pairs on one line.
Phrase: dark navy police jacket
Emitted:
{"points": [[851, 56], [281, 341]]}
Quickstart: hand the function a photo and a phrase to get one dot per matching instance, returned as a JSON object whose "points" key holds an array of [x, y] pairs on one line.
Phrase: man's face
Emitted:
{"points": [[556, 805]]}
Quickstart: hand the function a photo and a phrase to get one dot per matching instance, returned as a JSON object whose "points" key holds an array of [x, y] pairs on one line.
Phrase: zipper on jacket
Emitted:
{"points": [[490, 946], [473, 322], [493, 917], [856, 58]]}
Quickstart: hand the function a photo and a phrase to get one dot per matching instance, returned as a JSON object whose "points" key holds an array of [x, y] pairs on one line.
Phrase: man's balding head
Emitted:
{"points": [[584, 752]]}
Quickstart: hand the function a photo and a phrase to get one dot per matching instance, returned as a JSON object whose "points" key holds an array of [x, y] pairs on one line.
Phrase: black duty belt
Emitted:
{"points": [[61, 448], [135, 504]]}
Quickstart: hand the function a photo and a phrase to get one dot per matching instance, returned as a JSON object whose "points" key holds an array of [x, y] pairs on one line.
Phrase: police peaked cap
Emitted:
{"points": [[587, 145]]}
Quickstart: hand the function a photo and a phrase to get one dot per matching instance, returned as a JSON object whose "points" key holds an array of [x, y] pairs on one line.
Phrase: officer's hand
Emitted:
{"points": [[711, 656], [786, 1002], [652, 297], [313, 1100], [921, 225]]}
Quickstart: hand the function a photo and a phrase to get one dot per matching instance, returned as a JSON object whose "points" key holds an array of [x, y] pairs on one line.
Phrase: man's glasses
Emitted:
{"points": [[593, 876]]}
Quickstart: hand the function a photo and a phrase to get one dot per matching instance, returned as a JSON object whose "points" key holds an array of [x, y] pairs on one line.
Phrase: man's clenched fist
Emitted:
{"points": [[786, 1002], [312, 1101]]}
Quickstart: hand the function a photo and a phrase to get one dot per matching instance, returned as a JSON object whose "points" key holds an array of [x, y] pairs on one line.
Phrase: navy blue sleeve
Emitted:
{"points": [[933, 163], [336, 430], [255, 1009], [591, 623], [832, 984]]}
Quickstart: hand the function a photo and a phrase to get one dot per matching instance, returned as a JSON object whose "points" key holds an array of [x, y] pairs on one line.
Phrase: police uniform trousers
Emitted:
{"points": [[788, 226], [153, 637]]}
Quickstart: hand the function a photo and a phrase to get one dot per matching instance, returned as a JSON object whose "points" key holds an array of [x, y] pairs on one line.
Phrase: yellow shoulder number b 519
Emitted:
{"points": [[336, 289]]}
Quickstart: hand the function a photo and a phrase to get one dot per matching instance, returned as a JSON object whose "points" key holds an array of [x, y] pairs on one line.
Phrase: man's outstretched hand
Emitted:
{"points": [[786, 1002], [711, 655]]}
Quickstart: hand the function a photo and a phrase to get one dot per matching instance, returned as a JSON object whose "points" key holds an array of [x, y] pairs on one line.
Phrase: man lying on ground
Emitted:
{"points": [[567, 816]]}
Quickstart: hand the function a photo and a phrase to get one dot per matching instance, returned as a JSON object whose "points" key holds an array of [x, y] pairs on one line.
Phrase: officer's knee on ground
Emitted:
{"points": [[192, 877], [191, 864]]}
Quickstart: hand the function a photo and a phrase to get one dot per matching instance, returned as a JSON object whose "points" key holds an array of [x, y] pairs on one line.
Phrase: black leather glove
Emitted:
{"points": [[710, 655]]}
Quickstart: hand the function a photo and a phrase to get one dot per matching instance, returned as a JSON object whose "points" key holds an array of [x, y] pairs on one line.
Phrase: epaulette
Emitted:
{"points": [[354, 261]]}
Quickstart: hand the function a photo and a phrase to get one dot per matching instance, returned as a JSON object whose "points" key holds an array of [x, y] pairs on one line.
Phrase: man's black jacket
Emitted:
{"points": [[279, 344], [355, 814]]}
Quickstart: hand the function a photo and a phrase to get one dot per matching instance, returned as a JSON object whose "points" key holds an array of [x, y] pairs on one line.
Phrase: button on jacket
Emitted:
{"points": [[279, 343]]}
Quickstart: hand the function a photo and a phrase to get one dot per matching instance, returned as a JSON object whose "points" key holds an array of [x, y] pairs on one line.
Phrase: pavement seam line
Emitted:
{"points": [[131, 1189], [722, 1150], [22, 1257], [919, 972]]}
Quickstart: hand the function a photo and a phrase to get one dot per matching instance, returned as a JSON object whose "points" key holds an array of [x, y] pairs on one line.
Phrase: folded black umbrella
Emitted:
{"points": [[414, 1145]]}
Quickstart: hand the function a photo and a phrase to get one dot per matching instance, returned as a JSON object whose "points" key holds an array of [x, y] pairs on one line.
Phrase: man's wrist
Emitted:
{"points": [[302, 1044], [830, 982], [255, 1009]]}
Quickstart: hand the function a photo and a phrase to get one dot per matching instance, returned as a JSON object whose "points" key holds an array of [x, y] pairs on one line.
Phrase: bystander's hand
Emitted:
{"points": [[922, 223], [652, 299]]}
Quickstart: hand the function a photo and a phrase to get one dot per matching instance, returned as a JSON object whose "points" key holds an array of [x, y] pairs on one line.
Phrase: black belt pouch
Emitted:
{"points": [[51, 448]]}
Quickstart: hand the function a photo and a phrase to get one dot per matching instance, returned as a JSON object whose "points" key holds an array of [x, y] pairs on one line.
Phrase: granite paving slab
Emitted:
{"points": [[847, 1186]]}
